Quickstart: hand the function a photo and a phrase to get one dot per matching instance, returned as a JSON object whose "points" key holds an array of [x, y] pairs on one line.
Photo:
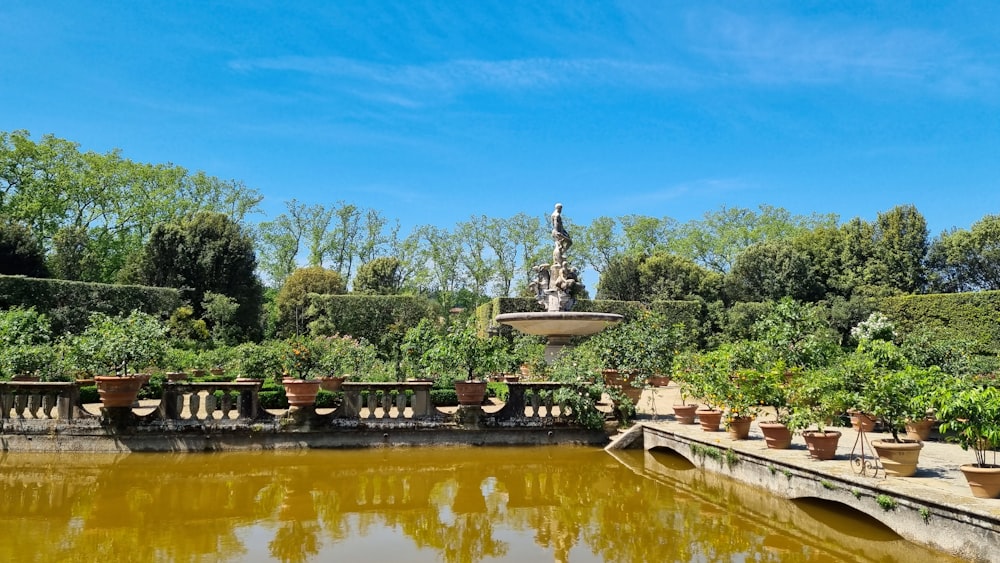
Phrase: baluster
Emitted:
{"points": [[400, 403], [48, 402], [34, 404], [20, 401], [372, 401], [549, 401], [386, 403], [195, 405], [227, 403], [536, 401], [211, 404]]}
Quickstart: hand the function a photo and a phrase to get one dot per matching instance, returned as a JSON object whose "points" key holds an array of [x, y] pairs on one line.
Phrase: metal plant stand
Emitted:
{"points": [[863, 457]]}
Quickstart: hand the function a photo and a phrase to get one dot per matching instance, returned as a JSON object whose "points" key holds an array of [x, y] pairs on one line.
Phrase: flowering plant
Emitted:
{"points": [[301, 359]]}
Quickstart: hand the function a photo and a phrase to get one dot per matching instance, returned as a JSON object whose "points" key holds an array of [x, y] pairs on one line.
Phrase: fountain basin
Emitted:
{"points": [[558, 326], [559, 323]]}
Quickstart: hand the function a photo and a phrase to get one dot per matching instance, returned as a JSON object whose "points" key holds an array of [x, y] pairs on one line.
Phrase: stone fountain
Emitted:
{"points": [[556, 286]]}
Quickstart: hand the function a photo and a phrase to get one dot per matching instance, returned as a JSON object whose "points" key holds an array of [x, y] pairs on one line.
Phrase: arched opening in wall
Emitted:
{"points": [[844, 519]]}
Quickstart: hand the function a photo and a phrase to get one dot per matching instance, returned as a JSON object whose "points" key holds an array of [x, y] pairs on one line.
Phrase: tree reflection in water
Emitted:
{"points": [[458, 505]]}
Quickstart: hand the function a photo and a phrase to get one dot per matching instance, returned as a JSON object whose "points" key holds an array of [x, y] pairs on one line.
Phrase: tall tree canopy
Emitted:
{"points": [[105, 203], [206, 252]]}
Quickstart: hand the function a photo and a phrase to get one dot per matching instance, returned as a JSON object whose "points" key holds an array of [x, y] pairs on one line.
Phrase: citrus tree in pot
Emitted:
{"points": [[815, 402], [117, 346], [893, 397], [470, 356], [301, 361], [969, 412]]}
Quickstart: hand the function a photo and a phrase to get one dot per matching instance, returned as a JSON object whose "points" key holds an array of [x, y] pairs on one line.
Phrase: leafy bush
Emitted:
{"points": [[21, 326], [444, 397]]}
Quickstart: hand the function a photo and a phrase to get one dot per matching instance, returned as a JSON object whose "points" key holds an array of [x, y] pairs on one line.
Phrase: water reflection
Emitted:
{"points": [[452, 505]]}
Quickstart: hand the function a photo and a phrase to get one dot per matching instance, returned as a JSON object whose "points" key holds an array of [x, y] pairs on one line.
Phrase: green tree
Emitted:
{"points": [[621, 279], [966, 260], [599, 243], [202, 253], [291, 299], [669, 276], [720, 236], [381, 276], [769, 271], [20, 252], [900, 249]]}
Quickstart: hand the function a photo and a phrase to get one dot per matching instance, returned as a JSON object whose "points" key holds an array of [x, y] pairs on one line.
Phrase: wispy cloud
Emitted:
{"points": [[785, 50], [454, 77]]}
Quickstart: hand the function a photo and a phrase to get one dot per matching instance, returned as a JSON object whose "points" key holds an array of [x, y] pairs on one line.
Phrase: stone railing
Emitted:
{"points": [[384, 401], [39, 400], [198, 401], [532, 403]]}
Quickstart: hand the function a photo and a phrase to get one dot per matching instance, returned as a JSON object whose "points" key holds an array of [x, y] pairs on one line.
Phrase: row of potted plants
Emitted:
{"points": [[875, 380]]}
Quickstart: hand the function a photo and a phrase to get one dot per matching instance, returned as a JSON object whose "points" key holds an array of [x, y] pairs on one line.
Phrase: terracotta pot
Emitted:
{"points": [[710, 419], [822, 445], [217, 371], [119, 391], [739, 428], [862, 422], [470, 393], [511, 378], [625, 382], [984, 480], [659, 380], [919, 429], [176, 376], [777, 436], [684, 414], [899, 459], [301, 392], [331, 383], [199, 372]]}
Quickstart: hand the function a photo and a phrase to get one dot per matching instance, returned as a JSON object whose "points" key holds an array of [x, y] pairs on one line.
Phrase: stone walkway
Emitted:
{"points": [[938, 477]]}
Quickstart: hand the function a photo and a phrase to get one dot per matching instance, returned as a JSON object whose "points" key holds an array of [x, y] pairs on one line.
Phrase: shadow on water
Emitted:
{"points": [[455, 505]]}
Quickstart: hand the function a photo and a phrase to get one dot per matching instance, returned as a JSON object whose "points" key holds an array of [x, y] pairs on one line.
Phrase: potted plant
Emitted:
{"points": [[815, 401], [300, 366], [343, 357], [116, 344], [970, 412], [617, 351], [257, 361], [705, 376], [748, 391], [465, 353], [529, 354], [893, 397]]}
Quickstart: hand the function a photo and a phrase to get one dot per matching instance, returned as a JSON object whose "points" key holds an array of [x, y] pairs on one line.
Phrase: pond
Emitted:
{"points": [[429, 504]]}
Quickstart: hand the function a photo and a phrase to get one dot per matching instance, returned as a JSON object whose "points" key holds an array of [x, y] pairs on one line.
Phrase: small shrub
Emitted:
{"points": [[444, 397]]}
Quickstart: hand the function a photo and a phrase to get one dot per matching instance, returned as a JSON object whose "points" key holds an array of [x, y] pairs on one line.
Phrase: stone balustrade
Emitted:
{"points": [[386, 400], [39, 400], [532, 403], [529, 404], [199, 401]]}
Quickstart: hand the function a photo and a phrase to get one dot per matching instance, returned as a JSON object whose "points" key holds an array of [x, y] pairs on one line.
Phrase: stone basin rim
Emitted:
{"points": [[562, 323]]}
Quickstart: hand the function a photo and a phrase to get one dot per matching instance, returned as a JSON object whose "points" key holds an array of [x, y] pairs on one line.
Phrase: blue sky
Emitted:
{"points": [[434, 111]]}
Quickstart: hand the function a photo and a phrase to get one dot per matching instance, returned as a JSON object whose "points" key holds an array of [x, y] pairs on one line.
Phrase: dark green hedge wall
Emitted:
{"points": [[371, 317], [69, 303], [974, 315]]}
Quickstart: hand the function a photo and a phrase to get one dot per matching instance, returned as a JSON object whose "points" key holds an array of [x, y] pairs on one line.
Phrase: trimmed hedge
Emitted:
{"points": [[974, 315], [372, 317], [69, 303]]}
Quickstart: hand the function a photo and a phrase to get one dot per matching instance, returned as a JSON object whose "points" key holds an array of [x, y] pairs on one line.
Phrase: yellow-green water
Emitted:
{"points": [[400, 505]]}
